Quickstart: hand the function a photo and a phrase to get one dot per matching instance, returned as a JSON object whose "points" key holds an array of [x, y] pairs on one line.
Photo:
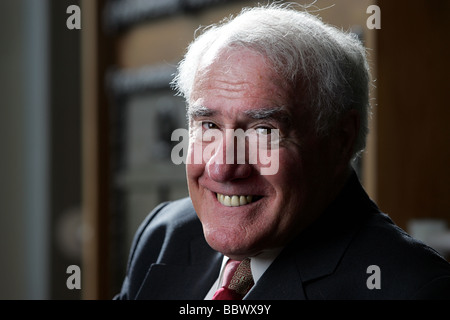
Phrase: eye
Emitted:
{"points": [[207, 125], [264, 130]]}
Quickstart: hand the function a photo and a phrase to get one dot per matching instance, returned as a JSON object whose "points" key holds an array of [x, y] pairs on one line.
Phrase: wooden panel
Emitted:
{"points": [[163, 41], [97, 56], [413, 110]]}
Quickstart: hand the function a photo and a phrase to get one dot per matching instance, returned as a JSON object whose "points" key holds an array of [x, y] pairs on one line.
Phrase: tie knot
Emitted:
{"points": [[237, 280], [238, 277]]}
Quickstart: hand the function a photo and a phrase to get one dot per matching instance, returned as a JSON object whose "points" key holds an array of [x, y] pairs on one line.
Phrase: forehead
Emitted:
{"points": [[239, 74]]}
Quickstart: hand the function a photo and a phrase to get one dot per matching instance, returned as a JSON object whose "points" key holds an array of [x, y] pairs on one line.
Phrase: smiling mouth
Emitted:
{"points": [[236, 200]]}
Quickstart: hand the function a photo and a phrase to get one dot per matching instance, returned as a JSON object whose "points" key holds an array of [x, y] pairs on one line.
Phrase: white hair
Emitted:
{"points": [[330, 64]]}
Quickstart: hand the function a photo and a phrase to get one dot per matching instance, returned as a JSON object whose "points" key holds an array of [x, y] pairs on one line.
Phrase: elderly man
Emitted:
{"points": [[298, 88]]}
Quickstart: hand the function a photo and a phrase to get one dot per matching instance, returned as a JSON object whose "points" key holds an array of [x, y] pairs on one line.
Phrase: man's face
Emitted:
{"points": [[239, 90]]}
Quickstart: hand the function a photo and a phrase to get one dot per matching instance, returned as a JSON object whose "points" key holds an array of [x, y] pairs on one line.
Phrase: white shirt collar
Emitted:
{"points": [[259, 264]]}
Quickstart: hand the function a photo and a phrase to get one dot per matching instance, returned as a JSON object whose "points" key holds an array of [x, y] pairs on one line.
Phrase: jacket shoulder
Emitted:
{"points": [[408, 268], [174, 218], [163, 236], [383, 262]]}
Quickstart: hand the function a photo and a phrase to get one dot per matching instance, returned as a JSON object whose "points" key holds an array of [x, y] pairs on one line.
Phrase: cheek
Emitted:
{"points": [[289, 189], [194, 164], [193, 172], [289, 174]]}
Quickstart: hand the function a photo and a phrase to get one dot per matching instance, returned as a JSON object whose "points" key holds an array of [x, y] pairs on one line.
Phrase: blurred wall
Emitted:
{"points": [[24, 216], [413, 111], [40, 199]]}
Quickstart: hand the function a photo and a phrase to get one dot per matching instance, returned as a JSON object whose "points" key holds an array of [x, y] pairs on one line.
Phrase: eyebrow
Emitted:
{"points": [[257, 114], [279, 114], [198, 111], [276, 113]]}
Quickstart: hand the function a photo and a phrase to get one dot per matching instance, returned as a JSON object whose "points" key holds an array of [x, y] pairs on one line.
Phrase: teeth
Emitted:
{"points": [[234, 201], [227, 201]]}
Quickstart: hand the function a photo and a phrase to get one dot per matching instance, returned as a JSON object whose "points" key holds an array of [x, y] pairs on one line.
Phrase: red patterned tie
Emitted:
{"points": [[237, 280]]}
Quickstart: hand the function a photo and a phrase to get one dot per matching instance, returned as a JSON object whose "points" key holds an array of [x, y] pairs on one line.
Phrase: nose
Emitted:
{"points": [[228, 161]]}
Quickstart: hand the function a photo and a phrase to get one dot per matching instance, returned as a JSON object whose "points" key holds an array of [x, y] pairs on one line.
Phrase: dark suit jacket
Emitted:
{"points": [[170, 258]]}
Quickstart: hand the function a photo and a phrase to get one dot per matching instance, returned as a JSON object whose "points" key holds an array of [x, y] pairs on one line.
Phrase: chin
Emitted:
{"points": [[234, 242]]}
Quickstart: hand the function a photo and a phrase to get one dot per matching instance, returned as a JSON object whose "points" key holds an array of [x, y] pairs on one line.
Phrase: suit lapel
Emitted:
{"points": [[308, 258], [297, 265], [185, 280], [281, 281]]}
